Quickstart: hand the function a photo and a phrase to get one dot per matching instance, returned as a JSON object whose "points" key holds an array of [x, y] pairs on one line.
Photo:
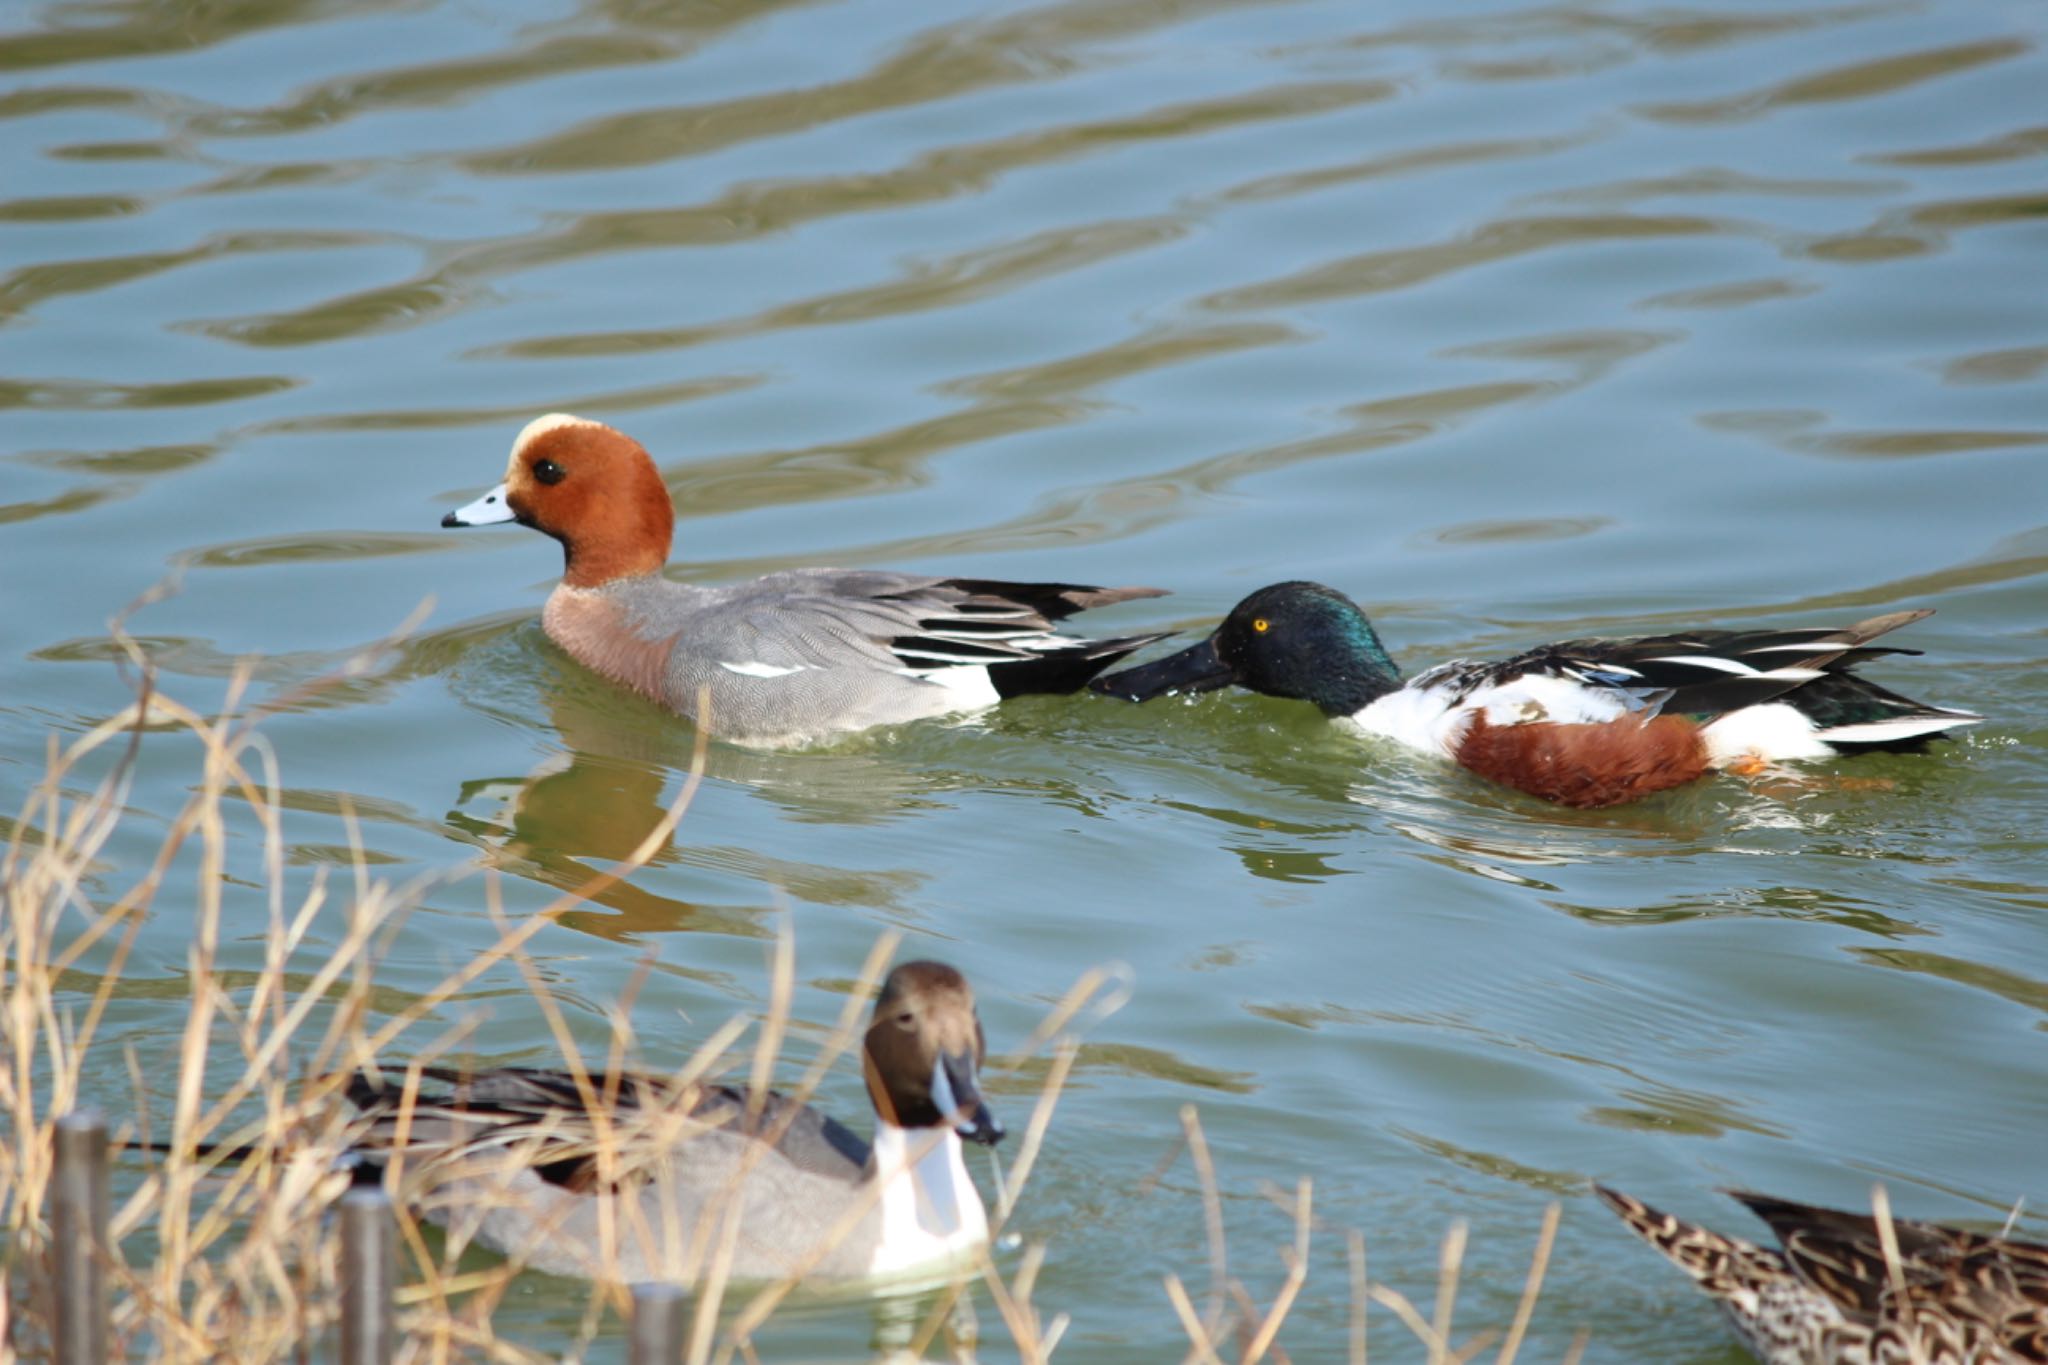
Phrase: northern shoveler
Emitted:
{"points": [[789, 658], [553, 1167], [1582, 723], [1833, 1296]]}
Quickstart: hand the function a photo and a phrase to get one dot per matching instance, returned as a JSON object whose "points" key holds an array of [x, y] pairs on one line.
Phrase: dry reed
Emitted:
{"points": [[224, 1247]]}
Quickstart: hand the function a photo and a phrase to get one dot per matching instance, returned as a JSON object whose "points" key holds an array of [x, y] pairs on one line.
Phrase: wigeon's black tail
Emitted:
{"points": [[1065, 669], [1008, 629]]}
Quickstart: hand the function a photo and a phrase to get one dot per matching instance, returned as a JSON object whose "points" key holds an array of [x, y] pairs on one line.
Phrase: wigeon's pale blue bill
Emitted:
{"points": [[487, 510]]}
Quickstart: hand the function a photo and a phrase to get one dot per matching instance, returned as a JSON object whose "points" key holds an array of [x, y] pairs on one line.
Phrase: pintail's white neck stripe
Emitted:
{"points": [[930, 1209]]}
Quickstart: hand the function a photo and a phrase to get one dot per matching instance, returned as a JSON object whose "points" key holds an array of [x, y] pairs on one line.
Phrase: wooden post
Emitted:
{"points": [[78, 1238], [367, 1276], [657, 1329]]}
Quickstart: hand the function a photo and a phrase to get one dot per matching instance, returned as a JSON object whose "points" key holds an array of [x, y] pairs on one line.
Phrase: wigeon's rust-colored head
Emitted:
{"points": [[923, 1053], [590, 486]]}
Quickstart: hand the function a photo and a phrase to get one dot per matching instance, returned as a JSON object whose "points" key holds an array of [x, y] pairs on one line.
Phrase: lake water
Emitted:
{"points": [[1517, 322]]}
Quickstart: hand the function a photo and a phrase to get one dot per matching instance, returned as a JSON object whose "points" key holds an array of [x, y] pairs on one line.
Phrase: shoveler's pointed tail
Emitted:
{"points": [[1720, 675]]}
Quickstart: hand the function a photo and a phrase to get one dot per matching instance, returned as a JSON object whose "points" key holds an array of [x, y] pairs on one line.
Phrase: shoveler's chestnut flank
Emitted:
{"points": [[1583, 723], [1835, 1296], [784, 659]]}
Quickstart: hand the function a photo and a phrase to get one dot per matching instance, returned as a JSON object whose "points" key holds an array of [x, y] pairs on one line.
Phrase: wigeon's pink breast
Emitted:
{"points": [[592, 626]]}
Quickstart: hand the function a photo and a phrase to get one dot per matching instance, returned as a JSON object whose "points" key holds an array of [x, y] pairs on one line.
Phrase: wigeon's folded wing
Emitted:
{"points": [[837, 618]]}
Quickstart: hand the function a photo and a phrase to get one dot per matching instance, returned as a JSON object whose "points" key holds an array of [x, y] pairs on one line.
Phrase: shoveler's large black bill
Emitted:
{"points": [[1198, 668]]}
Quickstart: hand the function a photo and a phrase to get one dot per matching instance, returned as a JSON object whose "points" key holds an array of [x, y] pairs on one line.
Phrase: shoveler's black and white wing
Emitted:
{"points": [[1773, 694]]}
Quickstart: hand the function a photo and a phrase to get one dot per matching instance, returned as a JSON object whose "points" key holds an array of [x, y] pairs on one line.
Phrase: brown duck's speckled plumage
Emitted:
{"points": [[1829, 1295]]}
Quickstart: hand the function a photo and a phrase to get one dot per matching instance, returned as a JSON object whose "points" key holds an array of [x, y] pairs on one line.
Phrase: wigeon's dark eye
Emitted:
{"points": [[906, 1019], [547, 471]]}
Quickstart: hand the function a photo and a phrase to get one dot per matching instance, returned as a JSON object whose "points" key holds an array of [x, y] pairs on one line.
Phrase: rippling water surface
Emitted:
{"points": [[1516, 321]]}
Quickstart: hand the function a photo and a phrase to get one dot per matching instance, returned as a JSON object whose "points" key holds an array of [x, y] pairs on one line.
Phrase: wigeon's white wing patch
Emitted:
{"points": [[757, 669], [969, 683]]}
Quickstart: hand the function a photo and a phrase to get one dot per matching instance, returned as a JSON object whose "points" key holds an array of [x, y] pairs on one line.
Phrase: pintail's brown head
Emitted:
{"points": [[924, 1051], [590, 486]]}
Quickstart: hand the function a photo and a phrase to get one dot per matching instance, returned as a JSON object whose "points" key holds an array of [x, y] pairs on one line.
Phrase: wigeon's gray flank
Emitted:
{"points": [[790, 658], [549, 1167]]}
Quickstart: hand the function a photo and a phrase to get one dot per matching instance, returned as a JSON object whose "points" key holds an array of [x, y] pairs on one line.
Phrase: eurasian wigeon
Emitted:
{"points": [[789, 658], [1582, 723]]}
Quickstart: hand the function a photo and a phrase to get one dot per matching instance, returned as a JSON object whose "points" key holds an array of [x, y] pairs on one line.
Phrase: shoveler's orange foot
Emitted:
{"points": [[1780, 785], [1750, 765]]}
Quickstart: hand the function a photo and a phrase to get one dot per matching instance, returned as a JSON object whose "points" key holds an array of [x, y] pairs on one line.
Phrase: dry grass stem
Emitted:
{"points": [[1539, 1262], [1354, 1246], [224, 1248]]}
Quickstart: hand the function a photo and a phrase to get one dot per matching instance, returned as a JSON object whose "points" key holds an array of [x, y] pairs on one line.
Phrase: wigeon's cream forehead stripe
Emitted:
{"points": [[541, 426]]}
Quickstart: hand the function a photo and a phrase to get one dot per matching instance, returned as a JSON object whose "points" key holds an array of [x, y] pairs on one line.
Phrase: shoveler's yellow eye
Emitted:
{"points": [[1261, 624]]}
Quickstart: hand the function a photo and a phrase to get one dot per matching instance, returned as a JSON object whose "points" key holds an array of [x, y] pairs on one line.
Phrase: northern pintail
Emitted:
{"points": [[1834, 1296], [1583, 723], [544, 1167], [789, 658]]}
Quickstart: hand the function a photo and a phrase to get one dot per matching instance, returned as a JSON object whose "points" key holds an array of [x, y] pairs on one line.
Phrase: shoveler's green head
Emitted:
{"points": [[1299, 640]]}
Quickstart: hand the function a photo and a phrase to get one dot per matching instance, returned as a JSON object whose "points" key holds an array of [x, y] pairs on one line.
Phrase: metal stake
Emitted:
{"points": [[78, 1238], [657, 1330], [367, 1256]]}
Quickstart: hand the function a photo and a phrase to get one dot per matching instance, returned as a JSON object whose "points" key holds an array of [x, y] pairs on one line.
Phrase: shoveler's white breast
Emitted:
{"points": [[1432, 711]]}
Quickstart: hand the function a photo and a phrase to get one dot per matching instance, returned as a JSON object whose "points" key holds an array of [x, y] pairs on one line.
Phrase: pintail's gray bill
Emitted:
{"points": [[956, 1088]]}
